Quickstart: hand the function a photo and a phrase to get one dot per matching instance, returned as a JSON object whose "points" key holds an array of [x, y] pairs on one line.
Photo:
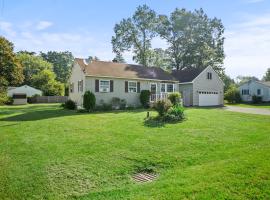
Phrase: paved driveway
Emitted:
{"points": [[259, 111]]}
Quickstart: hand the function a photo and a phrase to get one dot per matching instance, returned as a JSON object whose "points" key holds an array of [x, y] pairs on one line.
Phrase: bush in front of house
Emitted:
{"points": [[232, 95], [256, 99], [175, 98], [89, 101], [70, 105], [145, 98], [116, 103], [175, 114], [162, 106]]}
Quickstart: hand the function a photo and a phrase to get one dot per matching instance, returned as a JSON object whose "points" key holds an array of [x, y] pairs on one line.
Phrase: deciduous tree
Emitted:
{"points": [[135, 34]]}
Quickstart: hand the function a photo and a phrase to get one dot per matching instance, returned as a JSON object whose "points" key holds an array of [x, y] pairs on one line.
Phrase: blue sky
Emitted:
{"points": [[85, 27]]}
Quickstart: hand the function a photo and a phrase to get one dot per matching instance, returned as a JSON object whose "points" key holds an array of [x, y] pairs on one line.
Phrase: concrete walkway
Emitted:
{"points": [[258, 111]]}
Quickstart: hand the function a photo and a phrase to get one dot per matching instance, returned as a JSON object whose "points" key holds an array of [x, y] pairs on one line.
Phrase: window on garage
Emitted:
{"points": [[209, 75]]}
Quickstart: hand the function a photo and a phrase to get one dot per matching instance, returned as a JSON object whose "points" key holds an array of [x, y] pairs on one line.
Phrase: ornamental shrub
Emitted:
{"points": [[145, 98], [89, 101], [256, 99], [69, 104], [174, 97], [162, 106], [175, 114], [232, 95]]}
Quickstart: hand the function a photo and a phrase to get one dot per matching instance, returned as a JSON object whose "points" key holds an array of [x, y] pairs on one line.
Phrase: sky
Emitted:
{"points": [[85, 27]]}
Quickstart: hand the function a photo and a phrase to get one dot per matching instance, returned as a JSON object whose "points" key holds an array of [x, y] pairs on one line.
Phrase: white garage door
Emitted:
{"points": [[208, 99]]}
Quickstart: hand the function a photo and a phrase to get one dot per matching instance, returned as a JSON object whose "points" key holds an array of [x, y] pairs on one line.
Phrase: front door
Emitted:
{"points": [[153, 90]]}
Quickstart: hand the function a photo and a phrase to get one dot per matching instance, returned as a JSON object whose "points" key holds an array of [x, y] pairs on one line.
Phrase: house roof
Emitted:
{"points": [[267, 83], [122, 70], [186, 75]]}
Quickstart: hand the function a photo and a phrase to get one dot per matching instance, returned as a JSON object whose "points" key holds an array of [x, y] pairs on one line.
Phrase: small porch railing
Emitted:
{"points": [[157, 97]]}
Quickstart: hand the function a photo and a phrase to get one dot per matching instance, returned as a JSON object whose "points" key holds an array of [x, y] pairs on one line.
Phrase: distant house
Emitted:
{"points": [[20, 94], [200, 87], [125, 81], [253, 87]]}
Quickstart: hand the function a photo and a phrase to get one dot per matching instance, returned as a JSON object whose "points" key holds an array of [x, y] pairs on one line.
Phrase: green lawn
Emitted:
{"points": [[50, 153], [249, 105]]}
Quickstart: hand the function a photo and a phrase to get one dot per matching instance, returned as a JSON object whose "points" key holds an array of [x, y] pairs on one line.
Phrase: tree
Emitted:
{"points": [[135, 34], [90, 58], [32, 53], [267, 75], [232, 95], [62, 63], [160, 58], [228, 81], [194, 40], [244, 79], [89, 101], [119, 58], [11, 71], [32, 65], [45, 81]]}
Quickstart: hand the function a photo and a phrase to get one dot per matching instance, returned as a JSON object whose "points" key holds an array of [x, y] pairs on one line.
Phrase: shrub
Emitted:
{"points": [[162, 106], [4, 99], [89, 101], [145, 98], [256, 99], [174, 98], [69, 104], [116, 103], [174, 114], [123, 104], [232, 95]]}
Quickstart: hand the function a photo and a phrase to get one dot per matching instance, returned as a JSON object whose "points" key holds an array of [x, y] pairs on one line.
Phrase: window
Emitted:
{"points": [[132, 86], [245, 92], [104, 85], [209, 75], [80, 86], [259, 92], [170, 87], [163, 87], [71, 87]]}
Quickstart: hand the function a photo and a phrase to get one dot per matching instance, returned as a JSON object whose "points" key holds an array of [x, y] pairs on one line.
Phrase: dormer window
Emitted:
{"points": [[209, 75]]}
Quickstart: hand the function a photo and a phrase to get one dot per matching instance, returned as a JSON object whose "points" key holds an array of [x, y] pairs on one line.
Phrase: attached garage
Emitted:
{"points": [[200, 87], [208, 99]]}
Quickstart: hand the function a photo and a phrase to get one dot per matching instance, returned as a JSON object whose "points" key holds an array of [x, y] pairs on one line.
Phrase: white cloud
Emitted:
{"points": [[247, 47], [7, 28], [43, 25]]}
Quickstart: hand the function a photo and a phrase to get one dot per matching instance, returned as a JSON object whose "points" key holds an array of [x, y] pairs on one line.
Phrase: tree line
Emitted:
{"points": [[48, 71]]}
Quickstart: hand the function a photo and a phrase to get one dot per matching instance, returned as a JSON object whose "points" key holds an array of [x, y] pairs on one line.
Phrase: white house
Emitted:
{"points": [[253, 87], [125, 81], [20, 94]]}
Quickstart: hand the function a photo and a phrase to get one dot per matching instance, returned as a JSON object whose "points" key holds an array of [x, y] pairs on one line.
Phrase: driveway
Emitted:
{"points": [[258, 111]]}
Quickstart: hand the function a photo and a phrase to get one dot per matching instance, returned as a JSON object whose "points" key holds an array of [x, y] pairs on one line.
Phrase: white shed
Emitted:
{"points": [[20, 94]]}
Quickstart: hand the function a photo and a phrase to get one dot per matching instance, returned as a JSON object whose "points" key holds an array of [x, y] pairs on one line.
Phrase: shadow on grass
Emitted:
{"points": [[40, 114]]}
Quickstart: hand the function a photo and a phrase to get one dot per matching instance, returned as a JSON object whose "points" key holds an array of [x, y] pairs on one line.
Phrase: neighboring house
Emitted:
{"points": [[253, 87], [125, 81], [20, 94], [200, 87]]}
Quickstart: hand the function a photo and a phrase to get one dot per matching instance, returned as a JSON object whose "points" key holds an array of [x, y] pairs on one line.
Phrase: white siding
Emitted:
{"points": [[252, 86], [201, 83]]}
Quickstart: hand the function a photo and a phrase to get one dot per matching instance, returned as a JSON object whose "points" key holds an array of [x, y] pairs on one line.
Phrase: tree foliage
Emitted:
{"points": [[160, 58], [135, 33], [194, 39], [244, 79], [232, 95], [11, 71], [228, 81], [267, 75], [89, 101], [45, 81], [119, 58], [62, 63], [32, 65]]}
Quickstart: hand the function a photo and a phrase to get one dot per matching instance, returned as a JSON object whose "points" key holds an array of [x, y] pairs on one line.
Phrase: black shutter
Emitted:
{"points": [[111, 85], [138, 87], [96, 85], [126, 86]]}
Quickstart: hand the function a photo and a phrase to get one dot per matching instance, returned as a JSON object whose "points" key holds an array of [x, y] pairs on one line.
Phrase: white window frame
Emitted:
{"points": [[155, 85], [166, 87], [261, 92], [136, 86], [100, 87], [71, 87]]}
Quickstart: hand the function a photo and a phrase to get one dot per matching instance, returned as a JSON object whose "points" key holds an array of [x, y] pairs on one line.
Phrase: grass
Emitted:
{"points": [[249, 105], [50, 153]]}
